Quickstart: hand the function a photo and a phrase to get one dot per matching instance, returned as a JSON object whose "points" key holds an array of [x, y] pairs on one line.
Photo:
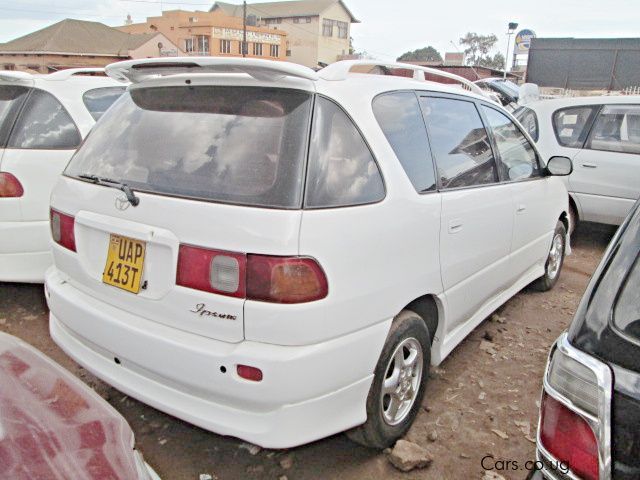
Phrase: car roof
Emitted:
{"points": [[337, 77], [556, 103]]}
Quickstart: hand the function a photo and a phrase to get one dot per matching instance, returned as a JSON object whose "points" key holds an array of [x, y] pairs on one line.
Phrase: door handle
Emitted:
{"points": [[589, 165], [521, 208], [455, 226]]}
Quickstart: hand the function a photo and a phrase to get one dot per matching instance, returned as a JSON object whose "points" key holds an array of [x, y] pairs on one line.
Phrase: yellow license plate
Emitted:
{"points": [[125, 261]]}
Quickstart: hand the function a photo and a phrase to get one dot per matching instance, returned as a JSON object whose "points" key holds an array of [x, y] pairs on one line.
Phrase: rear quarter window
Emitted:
{"points": [[571, 125], [529, 121], [626, 313], [11, 99], [342, 170], [98, 100]]}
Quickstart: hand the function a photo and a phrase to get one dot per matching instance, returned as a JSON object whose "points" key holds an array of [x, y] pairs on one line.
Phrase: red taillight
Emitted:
{"points": [[255, 277], [569, 438], [212, 270], [10, 186], [249, 373], [62, 229], [285, 279]]}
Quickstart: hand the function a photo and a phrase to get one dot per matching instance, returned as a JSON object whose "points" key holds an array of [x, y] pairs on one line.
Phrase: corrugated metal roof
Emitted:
{"points": [[80, 37], [295, 8]]}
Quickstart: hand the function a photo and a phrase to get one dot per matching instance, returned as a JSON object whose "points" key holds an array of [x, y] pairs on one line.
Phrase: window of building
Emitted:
{"points": [[571, 125], [240, 47], [518, 159], [343, 29], [203, 44], [274, 50], [188, 45], [342, 171], [327, 27], [44, 124], [296, 19], [257, 49], [225, 46], [617, 129], [301, 19], [459, 142], [400, 118], [193, 19]]}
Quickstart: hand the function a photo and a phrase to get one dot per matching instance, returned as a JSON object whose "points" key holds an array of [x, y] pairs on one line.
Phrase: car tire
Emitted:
{"points": [[409, 340], [554, 262]]}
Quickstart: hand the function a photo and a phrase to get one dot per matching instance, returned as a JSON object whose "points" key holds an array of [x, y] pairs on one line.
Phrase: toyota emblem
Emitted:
{"points": [[122, 203]]}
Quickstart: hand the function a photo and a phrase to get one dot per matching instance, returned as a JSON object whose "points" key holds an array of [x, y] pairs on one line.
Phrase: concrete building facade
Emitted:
{"points": [[77, 43], [213, 33], [318, 31]]}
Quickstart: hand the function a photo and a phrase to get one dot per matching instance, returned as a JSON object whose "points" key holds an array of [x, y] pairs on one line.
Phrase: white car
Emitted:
{"points": [[43, 119], [602, 137], [267, 252]]}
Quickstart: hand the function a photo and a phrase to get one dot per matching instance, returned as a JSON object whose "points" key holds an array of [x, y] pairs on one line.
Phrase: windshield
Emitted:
{"points": [[242, 145]]}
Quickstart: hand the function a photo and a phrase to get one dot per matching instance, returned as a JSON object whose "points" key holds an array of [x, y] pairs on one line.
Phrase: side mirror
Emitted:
{"points": [[560, 166]]}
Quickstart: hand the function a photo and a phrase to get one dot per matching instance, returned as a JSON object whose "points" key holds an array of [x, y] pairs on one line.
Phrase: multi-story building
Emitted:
{"points": [[318, 31], [214, 33], [78, 43]]}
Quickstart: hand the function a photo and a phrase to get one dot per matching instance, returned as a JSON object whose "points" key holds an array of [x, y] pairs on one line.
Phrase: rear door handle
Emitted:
{"points": [[521, 208], [455, 226], [589, 165]]}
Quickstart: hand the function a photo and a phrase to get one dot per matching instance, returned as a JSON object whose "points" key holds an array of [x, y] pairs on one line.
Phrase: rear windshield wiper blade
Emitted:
{"points": [[108, 182]]}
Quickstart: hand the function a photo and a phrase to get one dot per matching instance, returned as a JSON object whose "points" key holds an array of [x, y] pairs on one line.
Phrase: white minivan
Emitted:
{"points": [[602, 137], [278, 254], [43, 119]]}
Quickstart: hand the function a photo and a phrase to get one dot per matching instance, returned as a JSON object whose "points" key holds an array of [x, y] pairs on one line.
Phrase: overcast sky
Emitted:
{"points": [[388, 28]]}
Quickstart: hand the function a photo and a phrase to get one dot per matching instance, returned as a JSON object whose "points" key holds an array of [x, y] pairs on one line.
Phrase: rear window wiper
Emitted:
{"points": [[109, 182]]}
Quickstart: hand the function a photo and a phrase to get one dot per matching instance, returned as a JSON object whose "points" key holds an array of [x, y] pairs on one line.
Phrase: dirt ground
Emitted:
{"points": [[477, 403]]}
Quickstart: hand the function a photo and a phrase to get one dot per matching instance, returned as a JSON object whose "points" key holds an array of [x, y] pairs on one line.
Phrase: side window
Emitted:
{"points": [[342, 170], [401, 121], [617, 129], [11, 99], [460, 143], [99, 100], [571, 125], [518, 159], [44, 124], [529, 120]]}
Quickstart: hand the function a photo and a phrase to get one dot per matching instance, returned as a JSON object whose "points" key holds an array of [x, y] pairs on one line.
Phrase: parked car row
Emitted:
{"points": [[279, 254]]}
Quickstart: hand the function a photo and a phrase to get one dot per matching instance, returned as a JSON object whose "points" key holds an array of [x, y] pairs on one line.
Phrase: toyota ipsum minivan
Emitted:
{"points": [[279, 254]]}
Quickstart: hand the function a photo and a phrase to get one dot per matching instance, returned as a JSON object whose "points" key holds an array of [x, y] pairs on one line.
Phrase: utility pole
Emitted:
{"points": [[510, 31], [244, 29]]}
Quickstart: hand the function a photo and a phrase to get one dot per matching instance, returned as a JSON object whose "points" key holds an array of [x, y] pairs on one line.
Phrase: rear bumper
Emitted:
{"points": [[25, 253], [307, 392]]}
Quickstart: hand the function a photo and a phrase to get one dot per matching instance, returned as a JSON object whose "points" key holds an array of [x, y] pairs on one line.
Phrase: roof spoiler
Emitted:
{"points": [[69, 72], [16, 77], [267, 70], [340, 70]]}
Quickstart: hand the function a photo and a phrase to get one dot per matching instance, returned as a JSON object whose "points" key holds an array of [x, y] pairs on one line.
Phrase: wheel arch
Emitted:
{"points": [[429, 309]]}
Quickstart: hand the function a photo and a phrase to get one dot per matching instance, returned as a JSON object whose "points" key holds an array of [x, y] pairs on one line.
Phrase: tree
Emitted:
{"points": [[426, 54], [478, 50], [496, 62]]}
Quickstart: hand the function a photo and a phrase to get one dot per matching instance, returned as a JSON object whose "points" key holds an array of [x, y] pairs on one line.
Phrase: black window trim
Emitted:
{"points": [[596, 108], [19, 115], [364, 139], [542, 170], [587, 142], [433, 160], [84, 102], [475, 103], [611, 320]]}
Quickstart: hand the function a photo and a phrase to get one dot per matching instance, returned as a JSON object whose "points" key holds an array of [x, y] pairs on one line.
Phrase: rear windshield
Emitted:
{"points": [[241, 145], [11, 99]]}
